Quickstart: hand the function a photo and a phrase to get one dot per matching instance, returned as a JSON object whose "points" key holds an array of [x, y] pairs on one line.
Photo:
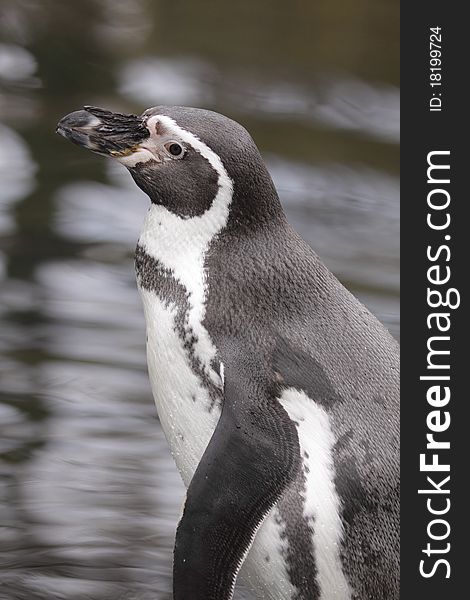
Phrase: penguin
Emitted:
{"points": [[277, 390]]}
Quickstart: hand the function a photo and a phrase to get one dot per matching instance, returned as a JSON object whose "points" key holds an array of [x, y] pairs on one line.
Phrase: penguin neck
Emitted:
{"points": [[180, 244], [255, 204], [178, 247]]}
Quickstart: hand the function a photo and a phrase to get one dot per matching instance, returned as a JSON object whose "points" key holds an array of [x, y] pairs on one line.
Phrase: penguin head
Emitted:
{"points": [[181, 157]]}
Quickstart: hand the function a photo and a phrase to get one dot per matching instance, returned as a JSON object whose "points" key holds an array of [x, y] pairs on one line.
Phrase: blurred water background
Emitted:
{"points": [[89, 496]]}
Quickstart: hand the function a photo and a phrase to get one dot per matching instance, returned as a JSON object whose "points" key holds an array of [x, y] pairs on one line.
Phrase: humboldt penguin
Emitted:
{"points": [[276, 388]]}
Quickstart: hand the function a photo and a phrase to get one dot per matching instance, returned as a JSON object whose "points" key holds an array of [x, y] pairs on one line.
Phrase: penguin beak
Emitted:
{"points": [[104, 132]]}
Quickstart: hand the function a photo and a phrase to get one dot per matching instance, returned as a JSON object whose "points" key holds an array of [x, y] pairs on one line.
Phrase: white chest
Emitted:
{"points": [[187, 414], [182, 360]]}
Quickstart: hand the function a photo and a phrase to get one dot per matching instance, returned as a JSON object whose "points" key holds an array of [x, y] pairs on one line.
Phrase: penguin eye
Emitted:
{"points": [[175, 149]]}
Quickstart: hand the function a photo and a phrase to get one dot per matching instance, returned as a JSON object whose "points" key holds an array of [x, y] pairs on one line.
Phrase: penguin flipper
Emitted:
{"points": [[250, 459]]}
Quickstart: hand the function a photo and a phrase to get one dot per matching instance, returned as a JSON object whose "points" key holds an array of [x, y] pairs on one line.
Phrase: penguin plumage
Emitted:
{"points": [[277, 390]]}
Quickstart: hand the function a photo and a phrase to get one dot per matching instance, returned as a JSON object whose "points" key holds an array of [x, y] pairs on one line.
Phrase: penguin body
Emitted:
{"points": [[276, 389]]}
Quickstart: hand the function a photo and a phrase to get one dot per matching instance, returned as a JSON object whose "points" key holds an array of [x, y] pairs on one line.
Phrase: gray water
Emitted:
{"points": [[89, 495]]}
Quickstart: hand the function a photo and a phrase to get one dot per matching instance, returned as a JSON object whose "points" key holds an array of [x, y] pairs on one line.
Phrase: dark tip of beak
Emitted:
{"points": [[103, 131], [75, 125]]}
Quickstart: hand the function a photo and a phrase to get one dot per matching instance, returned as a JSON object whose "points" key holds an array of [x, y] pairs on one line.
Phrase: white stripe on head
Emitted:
{"points": [[189, 138], [180, 244], [322, 505]]}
